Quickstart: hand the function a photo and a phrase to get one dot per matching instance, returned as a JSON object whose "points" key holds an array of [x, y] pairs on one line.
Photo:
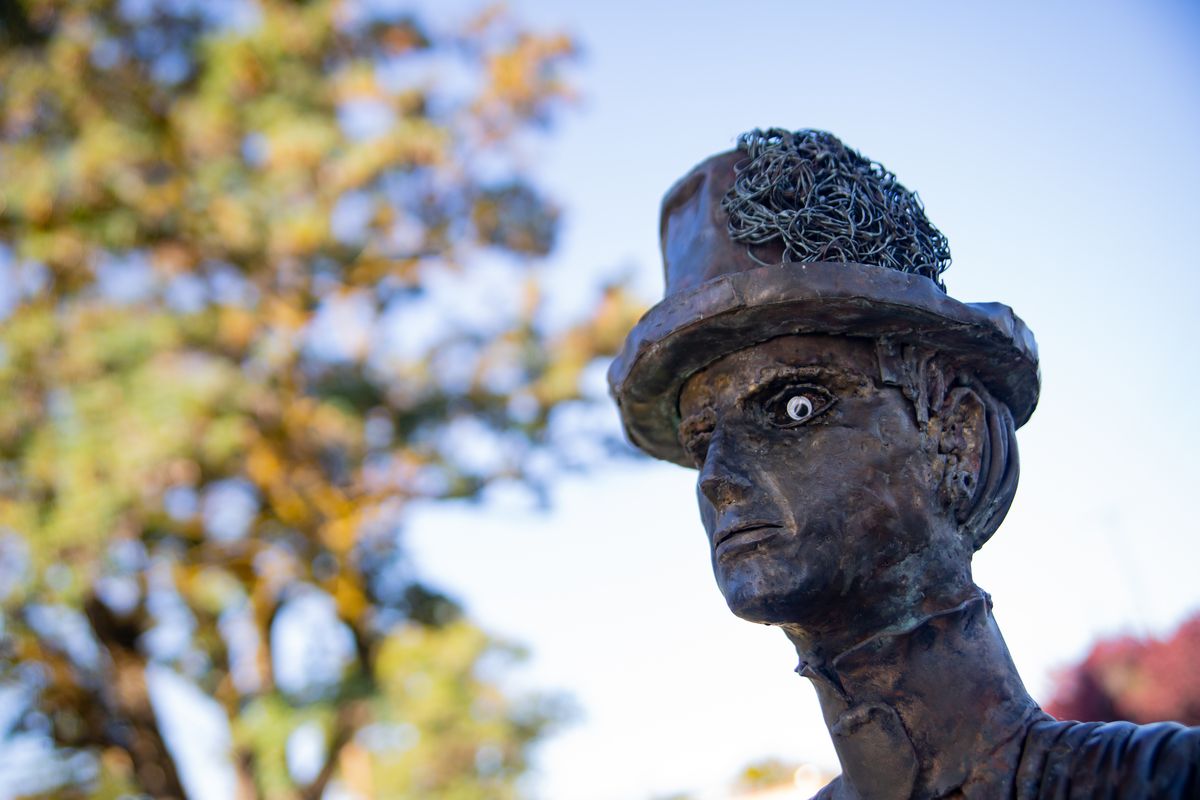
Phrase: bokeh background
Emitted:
{"points": [[310, 484]]}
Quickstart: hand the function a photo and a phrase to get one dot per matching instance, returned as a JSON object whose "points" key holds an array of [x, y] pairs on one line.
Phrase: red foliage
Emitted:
{"points": [[1140, 680]]}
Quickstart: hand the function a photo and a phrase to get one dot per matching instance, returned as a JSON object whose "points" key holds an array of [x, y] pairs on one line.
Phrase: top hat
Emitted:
{"points": [[722, 296]]}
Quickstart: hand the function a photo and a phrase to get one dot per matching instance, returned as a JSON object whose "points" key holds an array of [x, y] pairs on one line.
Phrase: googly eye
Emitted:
{"points": [[799, 407], [796, 405]]}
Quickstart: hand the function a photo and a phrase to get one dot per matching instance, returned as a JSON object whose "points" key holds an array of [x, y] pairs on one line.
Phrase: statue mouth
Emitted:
{"points": [[743, 536]]}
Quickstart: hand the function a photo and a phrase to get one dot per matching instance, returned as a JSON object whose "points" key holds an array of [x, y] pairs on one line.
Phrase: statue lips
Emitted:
{"points": [[742, 536]]}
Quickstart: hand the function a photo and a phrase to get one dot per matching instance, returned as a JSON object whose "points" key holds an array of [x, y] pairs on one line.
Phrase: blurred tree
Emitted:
{"points": [[270, 275], [775, 777], [766, 773], [1140, 680]]}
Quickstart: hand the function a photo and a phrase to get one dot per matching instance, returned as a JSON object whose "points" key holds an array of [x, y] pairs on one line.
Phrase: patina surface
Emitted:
{"points": [[854, 432]]}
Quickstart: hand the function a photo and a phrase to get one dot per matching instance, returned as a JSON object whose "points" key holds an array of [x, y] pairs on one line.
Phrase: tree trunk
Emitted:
{"points": [[133, 724]]}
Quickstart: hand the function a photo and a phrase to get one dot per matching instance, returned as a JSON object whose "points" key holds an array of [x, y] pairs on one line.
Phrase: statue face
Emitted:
{"points": [[816, 487]]}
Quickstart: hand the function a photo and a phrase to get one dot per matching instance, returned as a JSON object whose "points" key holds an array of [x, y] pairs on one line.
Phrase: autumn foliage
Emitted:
{"points": [[1135, 679], [269, 273]]}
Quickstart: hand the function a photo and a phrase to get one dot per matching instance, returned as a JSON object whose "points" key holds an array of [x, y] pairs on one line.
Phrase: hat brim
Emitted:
{"points": [[693, 328]]}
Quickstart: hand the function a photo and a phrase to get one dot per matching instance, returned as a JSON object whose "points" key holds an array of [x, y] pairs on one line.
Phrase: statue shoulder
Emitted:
{"points": [[1078, 760]]}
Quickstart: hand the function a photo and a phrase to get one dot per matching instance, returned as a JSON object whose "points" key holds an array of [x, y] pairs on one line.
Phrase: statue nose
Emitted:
{"points": [[723, 490], [720, 482]]}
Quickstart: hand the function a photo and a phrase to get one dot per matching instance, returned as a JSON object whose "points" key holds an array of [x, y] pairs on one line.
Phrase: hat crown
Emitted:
{"points": [[786, 197], [696, 245]]}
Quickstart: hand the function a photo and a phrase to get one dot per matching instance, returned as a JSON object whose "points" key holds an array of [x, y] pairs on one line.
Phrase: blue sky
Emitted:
{"points": [[1055, 144]]}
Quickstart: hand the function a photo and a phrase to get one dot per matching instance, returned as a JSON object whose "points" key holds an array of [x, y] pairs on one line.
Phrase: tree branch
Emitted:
{"points": [[243, 764], [15, 26], [349, 719]]}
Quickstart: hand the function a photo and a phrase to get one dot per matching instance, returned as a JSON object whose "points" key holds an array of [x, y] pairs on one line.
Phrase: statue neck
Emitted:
{"points": [[926, 710]]}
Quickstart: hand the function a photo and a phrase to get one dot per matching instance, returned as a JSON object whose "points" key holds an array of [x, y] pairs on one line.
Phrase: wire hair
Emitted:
{"points": [[823, 201]]}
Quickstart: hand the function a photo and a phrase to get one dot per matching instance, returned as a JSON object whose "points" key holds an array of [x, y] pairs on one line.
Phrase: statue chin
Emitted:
{"points": [[754, 608], [786, 588], [755, 599]]}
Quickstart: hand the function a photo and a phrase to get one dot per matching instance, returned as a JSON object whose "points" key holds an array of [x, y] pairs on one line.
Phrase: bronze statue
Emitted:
{"points": [[854, 431]]}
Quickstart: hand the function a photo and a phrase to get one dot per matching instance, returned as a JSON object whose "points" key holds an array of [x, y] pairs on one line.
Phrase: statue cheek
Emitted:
{"points": [[894, 425]]}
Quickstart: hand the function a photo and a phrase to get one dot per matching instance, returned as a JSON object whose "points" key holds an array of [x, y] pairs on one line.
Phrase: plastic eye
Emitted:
{"points": [[797, 405], [799, 408]]}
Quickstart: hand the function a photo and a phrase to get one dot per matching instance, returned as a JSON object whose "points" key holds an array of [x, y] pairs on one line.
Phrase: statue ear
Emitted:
{"points": [[963, 444]]}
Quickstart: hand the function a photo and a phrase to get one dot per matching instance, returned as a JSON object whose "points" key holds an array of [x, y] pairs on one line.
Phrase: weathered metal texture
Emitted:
{"points": [[854, 433]]}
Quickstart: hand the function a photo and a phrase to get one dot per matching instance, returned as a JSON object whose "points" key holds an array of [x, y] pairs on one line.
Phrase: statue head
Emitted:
{"points": [[851, 424]]}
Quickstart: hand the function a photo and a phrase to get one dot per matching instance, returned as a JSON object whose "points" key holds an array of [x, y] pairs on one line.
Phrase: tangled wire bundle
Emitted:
{"points": [[826, 202]]}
